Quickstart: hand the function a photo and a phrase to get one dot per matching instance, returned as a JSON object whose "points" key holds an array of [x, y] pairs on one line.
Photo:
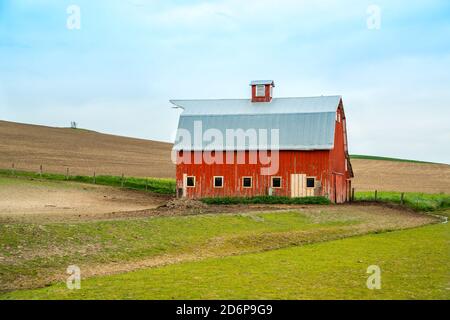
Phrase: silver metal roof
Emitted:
{"points": [[258, 82], [246, 106], [302, 123]]}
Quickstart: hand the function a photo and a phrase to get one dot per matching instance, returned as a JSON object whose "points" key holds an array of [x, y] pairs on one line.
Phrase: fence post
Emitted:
{"points": [[67, 173], [94, 177], [402, 198], [40, 171], [376, 195], [121, 181], [13, 169], [353, 194], [146, 184]]}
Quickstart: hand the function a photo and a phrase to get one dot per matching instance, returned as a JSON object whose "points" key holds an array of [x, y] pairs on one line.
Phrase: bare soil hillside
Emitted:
{"points": [[401, 176], [83, 151]]}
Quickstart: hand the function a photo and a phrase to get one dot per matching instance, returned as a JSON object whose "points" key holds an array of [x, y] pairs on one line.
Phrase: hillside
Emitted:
{"points": [[402, 176], [84, 152]]}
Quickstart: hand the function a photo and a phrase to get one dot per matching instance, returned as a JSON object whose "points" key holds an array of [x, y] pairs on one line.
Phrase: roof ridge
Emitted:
{"points": [[253, 114], [247, 99]]}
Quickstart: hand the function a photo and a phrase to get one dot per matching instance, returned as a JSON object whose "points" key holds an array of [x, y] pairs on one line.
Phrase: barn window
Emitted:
{"points": [[276, 182], [310, 182], [260, 90], [218, 182], [247, 182], [190, 181]]}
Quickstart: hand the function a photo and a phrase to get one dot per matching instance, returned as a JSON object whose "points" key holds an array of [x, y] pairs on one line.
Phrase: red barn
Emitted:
{"points": [[294, 147]]}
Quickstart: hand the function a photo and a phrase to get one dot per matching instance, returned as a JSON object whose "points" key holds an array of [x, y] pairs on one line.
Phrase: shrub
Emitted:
{"points": [[265, 200]]}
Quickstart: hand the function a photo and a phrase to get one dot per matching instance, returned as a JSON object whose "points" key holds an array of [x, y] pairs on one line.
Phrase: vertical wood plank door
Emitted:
{"points": [[340, 189], [298, 185], [184, 185]]}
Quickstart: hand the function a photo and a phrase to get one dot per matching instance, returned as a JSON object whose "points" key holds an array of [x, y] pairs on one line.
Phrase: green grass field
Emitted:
{"points": [[157, 185], [34, 251], [37, 254], [414, 265], [414, 200], [367, 157]]}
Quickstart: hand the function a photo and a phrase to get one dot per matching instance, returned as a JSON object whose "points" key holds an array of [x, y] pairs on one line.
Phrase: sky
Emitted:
{"points": [[112, 66]]}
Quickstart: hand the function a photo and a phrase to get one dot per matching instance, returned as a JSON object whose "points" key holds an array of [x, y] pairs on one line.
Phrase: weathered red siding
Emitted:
{"points": [[340, 186], [312, 163]]}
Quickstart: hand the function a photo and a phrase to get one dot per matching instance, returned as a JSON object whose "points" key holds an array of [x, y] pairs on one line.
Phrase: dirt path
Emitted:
{"points": [[35, 201], [41, 201], [29, 200]]}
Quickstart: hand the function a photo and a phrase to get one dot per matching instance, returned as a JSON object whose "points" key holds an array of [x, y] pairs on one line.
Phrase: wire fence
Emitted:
{"points": [[158, 185], [415, 200]]}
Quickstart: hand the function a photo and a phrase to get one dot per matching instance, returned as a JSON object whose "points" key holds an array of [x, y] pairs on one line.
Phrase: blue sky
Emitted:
{"points": [[117, 73]]}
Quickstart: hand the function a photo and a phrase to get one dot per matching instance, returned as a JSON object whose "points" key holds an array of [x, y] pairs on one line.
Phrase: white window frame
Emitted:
{"points": [[195, 182], [214, 182], [251, 182], [314, 182], [257, 93], [271, 182]]}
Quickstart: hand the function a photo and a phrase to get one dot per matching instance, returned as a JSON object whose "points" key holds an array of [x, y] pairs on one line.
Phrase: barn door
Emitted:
{"points": [[298, 185], [340, 189], [183, 194], [334, 188]]}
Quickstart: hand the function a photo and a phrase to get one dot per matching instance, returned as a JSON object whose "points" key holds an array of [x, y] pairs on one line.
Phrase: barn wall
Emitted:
{"points": [[312, 163], [339, 188]]}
